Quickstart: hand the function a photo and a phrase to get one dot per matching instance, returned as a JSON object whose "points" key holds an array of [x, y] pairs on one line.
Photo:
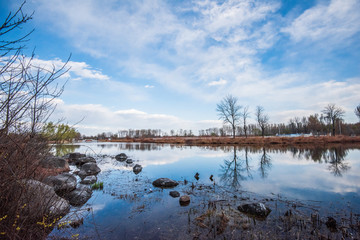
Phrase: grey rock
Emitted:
{"points": [[137, 169], [83, 160], [40, 200], [88, 169], [55, 163], [184, 200], [255, 209], [129, 161], [79, 196], [89, 180], [165, 183], [62, 183], [74, 156], [174, 194], [121, 157]]}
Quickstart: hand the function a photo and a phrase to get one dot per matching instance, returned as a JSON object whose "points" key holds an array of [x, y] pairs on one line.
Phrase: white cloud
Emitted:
{"points": [[79, 70], [217, 83], [98, 119], [189, 50], [130, 32], [337, 21]]}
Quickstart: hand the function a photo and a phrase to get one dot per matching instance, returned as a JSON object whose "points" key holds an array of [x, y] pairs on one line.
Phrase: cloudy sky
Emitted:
{"points": [[167, 63]]}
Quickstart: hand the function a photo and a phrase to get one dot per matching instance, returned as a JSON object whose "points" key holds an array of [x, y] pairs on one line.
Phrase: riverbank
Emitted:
{"points": [[254, 141]]}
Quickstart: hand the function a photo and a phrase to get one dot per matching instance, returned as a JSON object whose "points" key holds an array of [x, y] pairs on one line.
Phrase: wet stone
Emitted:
{"points": [[79, 196], [88, 169], [137, 169], [74, 156], [62, 183], [255, 209], [184, 200], [174, 194], [121, 157], [165, 183], [129, 161], [89, 180]]}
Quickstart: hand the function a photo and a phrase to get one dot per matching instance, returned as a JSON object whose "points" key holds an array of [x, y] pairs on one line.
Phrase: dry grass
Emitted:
{"points": [[252, 141]]}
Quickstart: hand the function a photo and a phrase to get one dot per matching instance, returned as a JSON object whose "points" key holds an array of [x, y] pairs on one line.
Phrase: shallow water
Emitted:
{"points": [[129, 207]]}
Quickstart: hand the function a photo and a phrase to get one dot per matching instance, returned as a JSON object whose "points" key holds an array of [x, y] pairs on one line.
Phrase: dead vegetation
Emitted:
{"points": [[251, 141]]}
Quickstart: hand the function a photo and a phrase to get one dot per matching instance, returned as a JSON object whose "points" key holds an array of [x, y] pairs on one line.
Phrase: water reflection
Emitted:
{"points": [[335, 157], [235, 170], [265, 164], [62, 149]]}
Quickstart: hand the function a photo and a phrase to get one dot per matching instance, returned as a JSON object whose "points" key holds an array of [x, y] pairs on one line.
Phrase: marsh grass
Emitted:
{"points": [[97, 186]]}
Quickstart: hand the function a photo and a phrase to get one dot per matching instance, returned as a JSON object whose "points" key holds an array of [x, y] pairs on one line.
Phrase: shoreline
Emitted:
{"points": [[319, 141]]}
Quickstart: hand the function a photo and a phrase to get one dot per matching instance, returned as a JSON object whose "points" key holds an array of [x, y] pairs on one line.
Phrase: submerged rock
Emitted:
{"points": [[62, 183], [79, 196], [121, 157], [256, 209], [137, 169], [88, 169], [184, 200], [165, 183], [174, 194]]}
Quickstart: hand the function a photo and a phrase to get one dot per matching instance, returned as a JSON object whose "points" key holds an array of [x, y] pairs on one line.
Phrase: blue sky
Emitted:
{"points": [[166, 64]]}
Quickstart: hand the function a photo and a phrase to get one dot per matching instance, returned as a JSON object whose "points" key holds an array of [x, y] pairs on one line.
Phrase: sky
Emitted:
{"points": [[165, 64]]}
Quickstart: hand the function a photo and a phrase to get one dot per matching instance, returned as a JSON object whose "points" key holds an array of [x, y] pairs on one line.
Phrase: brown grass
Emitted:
{"points": [[252, 141]]}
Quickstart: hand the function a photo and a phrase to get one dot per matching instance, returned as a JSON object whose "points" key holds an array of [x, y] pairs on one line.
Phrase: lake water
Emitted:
{"points": [[129, 207]]}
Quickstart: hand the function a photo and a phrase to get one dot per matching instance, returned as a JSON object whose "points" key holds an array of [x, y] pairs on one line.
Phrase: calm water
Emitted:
{"points": [[130, 207]]}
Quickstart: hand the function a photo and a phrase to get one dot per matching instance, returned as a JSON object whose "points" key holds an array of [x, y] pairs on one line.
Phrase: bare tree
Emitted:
{"points": [[27, 91], [262, 119], [229, 111], [332, 114], [245, 114], [44, 90], [357, 111]]}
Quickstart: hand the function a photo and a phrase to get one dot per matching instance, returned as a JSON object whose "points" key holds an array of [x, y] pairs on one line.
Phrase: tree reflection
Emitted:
{"points": [[265, 164], [335, 157], [61, 149], [235, 170]]}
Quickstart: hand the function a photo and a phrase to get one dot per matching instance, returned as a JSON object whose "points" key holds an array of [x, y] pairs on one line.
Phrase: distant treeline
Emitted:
{"points": [[314, 125]]}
